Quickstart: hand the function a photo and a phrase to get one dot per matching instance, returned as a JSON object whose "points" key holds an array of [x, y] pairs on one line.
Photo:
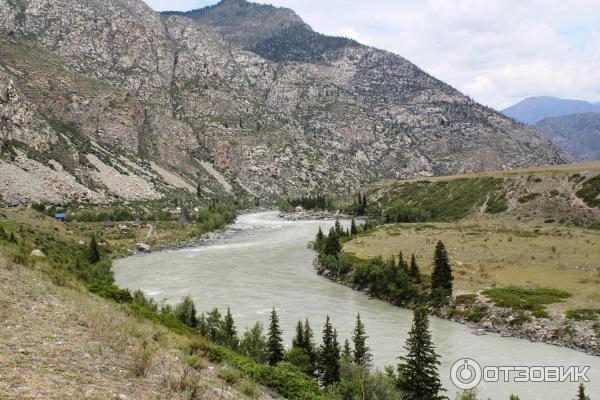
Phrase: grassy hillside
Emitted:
{"points": [[68, 332], [567, 194]]}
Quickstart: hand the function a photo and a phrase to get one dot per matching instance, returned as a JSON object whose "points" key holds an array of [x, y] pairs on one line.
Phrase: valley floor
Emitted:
{"points": [[498, 254]]}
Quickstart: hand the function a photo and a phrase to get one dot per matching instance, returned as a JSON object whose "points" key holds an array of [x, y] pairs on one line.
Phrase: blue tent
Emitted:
{"points": [[59, 215]]}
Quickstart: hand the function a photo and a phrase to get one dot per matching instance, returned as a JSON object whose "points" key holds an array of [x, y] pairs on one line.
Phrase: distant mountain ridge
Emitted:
{"points": [[577, 134], [111, 100], [533, 109]]}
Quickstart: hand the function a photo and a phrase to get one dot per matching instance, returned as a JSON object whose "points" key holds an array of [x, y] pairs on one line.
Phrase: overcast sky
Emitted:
{"points": [[496, 51]]}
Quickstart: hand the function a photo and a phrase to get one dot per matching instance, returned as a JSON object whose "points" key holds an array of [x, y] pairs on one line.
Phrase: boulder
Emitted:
{"points": [[144, 248], [37, 253]]}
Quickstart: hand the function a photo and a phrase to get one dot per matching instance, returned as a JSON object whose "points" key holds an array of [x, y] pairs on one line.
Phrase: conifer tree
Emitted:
{"points": [[298, 340], [329, 360], [362, 354], [418, 376], [93, 253], [347, 352], [402, 262], [229, 330], [441, 276], [339, 231], [581, 393], [332, 244], [198, 190], [309, 345], [353, 228], [275, 351], [413, 271]]}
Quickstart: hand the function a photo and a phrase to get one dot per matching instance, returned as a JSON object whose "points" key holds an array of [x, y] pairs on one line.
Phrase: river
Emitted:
{"points": [[268, 265]]}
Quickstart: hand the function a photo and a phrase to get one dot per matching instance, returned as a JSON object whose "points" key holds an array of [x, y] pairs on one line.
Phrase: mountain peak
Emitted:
{"points": [[243, 22], [533, 109]]}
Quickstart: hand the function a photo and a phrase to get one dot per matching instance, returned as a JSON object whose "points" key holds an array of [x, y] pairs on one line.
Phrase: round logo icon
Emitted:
{"points": [[465, 373]]}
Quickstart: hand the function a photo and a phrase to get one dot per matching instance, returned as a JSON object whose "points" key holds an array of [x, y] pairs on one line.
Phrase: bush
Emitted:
{"points": [[525, 299], [111, 292], [584, 314], [230, 375], [142, 358], [195, 362]]}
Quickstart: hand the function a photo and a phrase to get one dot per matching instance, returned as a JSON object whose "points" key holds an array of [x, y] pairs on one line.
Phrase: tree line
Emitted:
{"points": [[396, 280], [344, 371]]}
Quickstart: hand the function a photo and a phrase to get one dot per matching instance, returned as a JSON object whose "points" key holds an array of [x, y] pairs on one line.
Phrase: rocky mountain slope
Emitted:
{"points": [[577, 134], [534, 109], [111, 100]]}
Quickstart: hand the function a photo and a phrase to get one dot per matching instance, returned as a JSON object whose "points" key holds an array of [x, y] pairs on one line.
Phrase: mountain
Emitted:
{"points": [[577, 134], [102, 101], [534, 109]]}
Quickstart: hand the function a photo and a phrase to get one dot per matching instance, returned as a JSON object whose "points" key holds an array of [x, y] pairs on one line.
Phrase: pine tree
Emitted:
{"points": [[353, 228], [198, 190], [329, 360], [339, 231], [347, 352], [441, 277], [309, 345], [298, 340], [402, 262], [275, 351], [362, 354], [418, 376], [332, 244], [413, 271], [581, 393], [93, 253], [229, 330]]}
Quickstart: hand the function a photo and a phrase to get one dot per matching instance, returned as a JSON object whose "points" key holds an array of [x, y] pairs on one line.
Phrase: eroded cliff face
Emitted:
{"points": [[168, 91]]}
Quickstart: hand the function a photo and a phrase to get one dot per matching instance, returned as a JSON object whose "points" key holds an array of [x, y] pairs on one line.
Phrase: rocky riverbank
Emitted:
{"points": [[577, 335], [305, 215]]}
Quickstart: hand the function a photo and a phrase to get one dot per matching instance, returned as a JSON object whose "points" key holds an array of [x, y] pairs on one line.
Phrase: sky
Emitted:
{"points": [[496, 51]]}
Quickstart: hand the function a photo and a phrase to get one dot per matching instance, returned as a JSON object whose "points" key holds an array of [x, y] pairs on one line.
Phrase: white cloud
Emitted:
{"points": [[496, 51]]}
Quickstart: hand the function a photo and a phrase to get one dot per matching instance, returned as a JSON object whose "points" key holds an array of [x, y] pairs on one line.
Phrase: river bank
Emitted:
{"points": [[575, 335], [311, 215]]}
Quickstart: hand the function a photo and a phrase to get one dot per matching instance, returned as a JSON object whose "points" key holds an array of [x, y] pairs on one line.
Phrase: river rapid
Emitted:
{"points": [[268, 265]]}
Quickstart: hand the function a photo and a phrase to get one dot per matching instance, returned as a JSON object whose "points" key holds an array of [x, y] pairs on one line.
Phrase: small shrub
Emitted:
{"points": [[195, 362], [230, 375], [465, 299], [528, 197], [525, 299], [249, 389], [142, 359], [584, 314]]}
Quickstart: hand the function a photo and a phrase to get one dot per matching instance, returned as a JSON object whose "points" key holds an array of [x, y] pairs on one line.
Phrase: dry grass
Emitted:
{"points": [[497, 254], [61, 343]]}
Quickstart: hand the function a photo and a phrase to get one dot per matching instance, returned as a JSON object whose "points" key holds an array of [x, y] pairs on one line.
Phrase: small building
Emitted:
{"points": [[59, 216]]}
